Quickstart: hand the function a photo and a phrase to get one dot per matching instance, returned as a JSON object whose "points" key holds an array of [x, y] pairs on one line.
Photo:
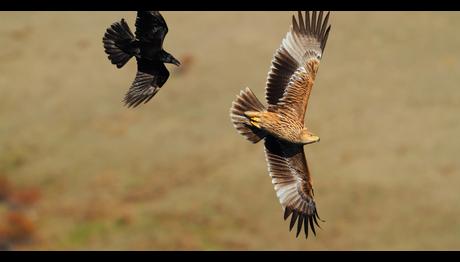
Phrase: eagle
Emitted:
{"points": [[281, 124], [147, 46]]}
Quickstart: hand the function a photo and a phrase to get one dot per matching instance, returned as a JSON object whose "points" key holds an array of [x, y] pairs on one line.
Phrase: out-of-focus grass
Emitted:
{"points": [[174, 174]]}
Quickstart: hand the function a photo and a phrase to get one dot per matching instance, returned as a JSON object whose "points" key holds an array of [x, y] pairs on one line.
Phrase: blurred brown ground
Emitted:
{"points": [[174, 174]]}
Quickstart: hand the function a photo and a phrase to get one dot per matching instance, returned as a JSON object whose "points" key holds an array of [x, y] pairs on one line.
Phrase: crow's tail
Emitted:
{"points": [[118, 43]]}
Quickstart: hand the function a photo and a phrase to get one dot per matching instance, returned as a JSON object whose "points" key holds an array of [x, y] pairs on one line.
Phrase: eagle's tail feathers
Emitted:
{"points": [[246, 101]]}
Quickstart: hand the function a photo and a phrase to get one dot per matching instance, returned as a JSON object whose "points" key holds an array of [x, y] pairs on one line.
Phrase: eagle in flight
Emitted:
{"points": [[147, 46], [281, 124]]}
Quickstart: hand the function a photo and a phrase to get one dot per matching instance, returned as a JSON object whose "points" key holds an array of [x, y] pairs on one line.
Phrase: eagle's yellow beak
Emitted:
{"points": [[309, 138], [313, 139]]}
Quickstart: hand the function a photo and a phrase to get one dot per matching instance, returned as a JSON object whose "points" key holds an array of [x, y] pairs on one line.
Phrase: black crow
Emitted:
{"points": [[147, 46]]}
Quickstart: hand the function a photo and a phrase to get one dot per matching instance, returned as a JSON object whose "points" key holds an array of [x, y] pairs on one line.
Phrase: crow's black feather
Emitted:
{"points": [[147, 46]]}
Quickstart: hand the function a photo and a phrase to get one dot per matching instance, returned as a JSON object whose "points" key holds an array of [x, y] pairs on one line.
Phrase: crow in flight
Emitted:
{"points": [[147, 46]]}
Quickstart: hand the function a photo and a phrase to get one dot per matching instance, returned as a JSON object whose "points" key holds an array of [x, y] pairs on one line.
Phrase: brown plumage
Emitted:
{"points": [[290, 81]]}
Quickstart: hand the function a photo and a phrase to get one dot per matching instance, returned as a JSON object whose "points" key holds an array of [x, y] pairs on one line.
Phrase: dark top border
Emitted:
{"points": [[229, 5]]}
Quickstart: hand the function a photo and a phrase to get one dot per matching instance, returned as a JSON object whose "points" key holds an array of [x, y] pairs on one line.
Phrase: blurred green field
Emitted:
{"points": [[174, 174]]}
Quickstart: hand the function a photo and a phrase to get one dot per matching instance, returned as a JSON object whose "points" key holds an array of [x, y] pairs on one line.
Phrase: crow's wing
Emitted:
{"points": [[150, 77], [151, 27]]}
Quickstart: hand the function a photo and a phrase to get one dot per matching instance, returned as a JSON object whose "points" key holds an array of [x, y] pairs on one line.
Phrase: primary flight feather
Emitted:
{"points": [[147, 46], [281, 124]]}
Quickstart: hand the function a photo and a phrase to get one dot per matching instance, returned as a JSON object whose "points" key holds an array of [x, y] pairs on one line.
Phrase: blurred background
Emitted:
{"points": [[78, 170]]}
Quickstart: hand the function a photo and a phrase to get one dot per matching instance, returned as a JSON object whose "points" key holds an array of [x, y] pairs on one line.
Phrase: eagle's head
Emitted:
{"points": [[307, 137]]}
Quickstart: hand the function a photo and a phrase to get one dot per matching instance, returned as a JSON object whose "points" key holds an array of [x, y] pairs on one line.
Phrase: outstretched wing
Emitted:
{"points": [[151, 27], [290, 175], [150, 77], [296, 62]]}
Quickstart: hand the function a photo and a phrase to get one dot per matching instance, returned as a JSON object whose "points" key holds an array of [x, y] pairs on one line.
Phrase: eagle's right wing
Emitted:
{"points": [[288, 169]]}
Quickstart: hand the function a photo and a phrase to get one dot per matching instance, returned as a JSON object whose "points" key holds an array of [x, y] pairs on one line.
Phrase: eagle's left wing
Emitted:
{"points": [[296, 62], [290, 175]]}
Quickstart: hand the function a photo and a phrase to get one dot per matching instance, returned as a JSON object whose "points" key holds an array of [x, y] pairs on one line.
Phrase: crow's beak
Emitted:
{"points": [[175, 62]]}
